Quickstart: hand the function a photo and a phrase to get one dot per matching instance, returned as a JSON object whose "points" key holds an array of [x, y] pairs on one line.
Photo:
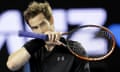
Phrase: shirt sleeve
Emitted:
{"points": [[33, 45]]}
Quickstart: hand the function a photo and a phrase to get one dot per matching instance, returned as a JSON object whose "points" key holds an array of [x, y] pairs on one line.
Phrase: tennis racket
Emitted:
{"points": [[98, 41]]}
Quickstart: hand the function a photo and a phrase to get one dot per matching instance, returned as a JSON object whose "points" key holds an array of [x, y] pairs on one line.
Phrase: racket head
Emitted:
{"points": [[101, 36]]}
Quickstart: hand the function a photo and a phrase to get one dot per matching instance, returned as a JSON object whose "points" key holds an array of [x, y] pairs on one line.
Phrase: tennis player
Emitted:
{"points": [[46, 56]]}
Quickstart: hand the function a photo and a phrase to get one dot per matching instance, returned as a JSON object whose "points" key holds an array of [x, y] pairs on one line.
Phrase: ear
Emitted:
{"points": [[51, 20]]}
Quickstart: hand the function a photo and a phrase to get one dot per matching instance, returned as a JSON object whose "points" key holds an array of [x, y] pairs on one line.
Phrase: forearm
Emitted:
{"points": [[18, 59]]}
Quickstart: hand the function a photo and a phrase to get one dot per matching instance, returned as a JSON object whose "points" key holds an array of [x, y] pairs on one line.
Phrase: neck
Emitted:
{"points": [[49, 47]]}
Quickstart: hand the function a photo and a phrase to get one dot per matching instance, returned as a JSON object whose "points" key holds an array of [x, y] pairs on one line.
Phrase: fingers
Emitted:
{"points": [[54, 37]]}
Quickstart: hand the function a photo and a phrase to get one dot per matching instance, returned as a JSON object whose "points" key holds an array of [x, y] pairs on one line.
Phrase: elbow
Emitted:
{"points": [[11, 66]]}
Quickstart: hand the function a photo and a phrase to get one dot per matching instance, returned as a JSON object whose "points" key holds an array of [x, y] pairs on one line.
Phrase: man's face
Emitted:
{"points": [[39, 24]]}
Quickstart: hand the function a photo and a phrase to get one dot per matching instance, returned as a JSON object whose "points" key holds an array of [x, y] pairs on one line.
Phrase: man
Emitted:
{"points": [[45, 56]]}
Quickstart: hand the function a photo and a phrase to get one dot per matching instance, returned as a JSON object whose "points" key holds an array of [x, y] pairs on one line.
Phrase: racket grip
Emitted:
{"points": [[33, 35]]}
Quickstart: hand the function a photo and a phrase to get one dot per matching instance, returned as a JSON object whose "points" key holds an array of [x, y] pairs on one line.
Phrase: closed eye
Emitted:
{"points": [[35, 27], [42, 24]]}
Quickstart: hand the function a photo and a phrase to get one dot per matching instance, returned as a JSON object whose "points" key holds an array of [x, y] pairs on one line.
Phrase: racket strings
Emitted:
{"points": [[108, 37], [99, 34]]}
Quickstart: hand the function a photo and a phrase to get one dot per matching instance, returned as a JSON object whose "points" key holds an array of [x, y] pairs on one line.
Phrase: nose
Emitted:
{"points": [[38, 30]]}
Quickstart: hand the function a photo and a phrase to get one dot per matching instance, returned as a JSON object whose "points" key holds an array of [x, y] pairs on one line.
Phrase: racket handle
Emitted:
{"points": [[33, 35]]}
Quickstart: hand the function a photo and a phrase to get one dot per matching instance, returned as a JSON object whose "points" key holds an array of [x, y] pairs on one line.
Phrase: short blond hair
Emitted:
{"points": [[34, 8]]}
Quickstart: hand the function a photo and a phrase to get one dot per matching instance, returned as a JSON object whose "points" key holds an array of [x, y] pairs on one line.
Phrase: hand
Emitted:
{"points": [[53, 38]]}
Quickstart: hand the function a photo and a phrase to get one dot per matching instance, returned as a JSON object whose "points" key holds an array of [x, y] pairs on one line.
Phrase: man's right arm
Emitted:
{"points": [[18, 59]]}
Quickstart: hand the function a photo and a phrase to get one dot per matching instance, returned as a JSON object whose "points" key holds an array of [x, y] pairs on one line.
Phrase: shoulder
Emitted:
{"points": [[74, 43], [77, 47], [35, 41]]}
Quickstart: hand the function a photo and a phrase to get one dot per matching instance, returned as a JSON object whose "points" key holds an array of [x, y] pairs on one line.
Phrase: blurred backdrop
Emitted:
{"points": [[68, 14]]}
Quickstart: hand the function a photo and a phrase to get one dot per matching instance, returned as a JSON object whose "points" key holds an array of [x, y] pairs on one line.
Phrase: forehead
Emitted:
{"points": [[37, 19]]}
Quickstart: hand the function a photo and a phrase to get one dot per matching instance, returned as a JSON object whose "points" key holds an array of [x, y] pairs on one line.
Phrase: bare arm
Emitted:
{"points": [[18, 59]]}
